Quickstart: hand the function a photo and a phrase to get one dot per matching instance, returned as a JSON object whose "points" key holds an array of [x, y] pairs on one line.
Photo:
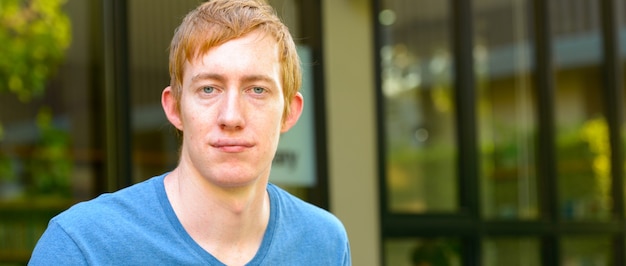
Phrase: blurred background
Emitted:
{"points": [[483, 132]]}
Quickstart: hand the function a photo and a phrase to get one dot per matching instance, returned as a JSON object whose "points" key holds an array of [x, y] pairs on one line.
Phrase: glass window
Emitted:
{"points": [[295, 165], [49, 152], [511, 98], [418, 100], [586, 250], [506, 109], [151, 26], [584, 179], [511, 251], [422, 251]]}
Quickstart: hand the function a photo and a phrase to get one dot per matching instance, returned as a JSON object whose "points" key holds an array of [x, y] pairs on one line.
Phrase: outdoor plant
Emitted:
{"points": [[34, 35]]}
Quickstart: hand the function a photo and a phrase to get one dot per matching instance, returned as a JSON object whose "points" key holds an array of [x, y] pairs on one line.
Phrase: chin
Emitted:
{"points": [[236, 179], [234, 184]]}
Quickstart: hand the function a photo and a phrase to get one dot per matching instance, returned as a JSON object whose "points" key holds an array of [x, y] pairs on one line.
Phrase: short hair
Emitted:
{"points": [[218, 21]]}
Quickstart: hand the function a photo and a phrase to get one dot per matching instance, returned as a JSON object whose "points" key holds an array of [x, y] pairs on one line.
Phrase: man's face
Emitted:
{"points": [[231, 109]]}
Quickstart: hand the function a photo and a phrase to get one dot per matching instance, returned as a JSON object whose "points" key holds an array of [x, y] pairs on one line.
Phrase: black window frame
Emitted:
{"points": [[467, 224]]}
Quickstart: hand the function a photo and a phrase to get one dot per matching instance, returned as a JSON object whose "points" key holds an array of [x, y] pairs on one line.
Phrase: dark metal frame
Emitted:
{"points": [[118, 140], [311, 27], [467, 224]]}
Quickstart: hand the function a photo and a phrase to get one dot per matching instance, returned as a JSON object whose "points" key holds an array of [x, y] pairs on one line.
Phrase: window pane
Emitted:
{"points": [[522, 251], [49, 151], [151, 27], [422, 251], [295, 167], [417, 86], [506, 109], [586, 251], [584, 181]]}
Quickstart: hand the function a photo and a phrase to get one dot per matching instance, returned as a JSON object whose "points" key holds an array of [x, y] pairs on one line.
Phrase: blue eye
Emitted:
{"points": [[208, 89], [258, 90]]}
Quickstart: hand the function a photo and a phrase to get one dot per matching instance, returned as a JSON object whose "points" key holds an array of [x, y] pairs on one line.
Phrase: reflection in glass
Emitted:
{"points": [[519, 251], [586, 251], [48, 156], [417, 86], [506, 109], [422, 251], [151, 25], [583, 152]]}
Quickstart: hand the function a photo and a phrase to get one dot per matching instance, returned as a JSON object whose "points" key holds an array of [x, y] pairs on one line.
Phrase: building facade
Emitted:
{"points": [[445, 132]]}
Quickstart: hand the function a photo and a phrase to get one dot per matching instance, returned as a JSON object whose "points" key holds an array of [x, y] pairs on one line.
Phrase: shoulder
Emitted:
{"points": [[95, 231], [305, 232], [299, 214], [110, 208], [103, 230]]}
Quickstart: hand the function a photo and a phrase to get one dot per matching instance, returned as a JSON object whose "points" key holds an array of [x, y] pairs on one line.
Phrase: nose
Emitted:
{"points": [[231, 113]]}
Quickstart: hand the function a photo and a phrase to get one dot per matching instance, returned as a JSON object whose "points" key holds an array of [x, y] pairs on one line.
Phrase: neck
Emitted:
{"points": [[227, 222]]}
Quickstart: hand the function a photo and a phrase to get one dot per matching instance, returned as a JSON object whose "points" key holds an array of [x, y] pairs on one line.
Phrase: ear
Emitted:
{"points": [[295, 110], [171, 108]]}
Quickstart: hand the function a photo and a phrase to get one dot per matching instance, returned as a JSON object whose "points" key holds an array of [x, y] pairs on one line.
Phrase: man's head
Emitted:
{"points": [[218, 21], [235, 78]]}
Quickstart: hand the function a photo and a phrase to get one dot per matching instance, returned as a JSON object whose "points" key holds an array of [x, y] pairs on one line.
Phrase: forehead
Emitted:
{"points": [[254, 53]]}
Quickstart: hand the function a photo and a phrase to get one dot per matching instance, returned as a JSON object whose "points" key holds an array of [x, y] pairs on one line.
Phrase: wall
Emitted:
{"points": [[351, 121]]}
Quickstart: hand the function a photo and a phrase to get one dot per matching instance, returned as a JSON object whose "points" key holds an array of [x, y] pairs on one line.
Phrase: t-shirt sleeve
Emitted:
{"points": [[56, 247], [347, 257]]}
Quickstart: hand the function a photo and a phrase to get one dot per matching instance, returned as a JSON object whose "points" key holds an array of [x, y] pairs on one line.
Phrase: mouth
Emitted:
{"points": [[231, 145]]}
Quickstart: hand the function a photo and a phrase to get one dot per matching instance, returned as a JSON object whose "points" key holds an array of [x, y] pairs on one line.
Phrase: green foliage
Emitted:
{"points": [[52, 163], [7, 173], [34, 35]]}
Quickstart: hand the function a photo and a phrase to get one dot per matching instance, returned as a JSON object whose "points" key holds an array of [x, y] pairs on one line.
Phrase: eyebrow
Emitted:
{"points": [[221, 78], [204, 76]]}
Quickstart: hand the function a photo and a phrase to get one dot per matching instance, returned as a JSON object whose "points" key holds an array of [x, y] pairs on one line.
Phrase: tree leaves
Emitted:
{"points": [[34, 35]]}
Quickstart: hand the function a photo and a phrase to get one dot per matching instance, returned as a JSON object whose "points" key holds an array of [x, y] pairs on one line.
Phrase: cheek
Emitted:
{"points": [[192, 120], [268, 126], [278, 119]]}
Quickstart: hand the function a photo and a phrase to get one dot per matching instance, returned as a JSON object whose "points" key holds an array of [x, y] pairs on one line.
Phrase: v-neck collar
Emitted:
{"points": [[194, 247]]}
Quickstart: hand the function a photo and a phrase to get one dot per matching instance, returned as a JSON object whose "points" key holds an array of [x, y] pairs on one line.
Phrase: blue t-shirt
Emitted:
{"points": [[138, 226]]}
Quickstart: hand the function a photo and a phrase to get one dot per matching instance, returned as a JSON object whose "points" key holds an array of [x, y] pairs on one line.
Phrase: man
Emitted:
{"points": [[234, 86]]}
